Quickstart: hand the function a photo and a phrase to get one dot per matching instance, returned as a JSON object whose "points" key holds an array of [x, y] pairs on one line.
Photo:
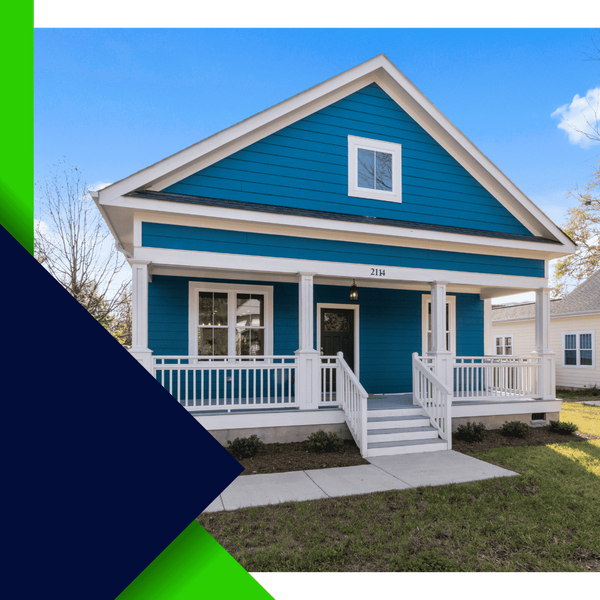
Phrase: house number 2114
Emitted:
{"points": [[377, 272]]}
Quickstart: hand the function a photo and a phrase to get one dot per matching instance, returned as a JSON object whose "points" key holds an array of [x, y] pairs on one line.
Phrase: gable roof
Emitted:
{"points": [[582, 300], [378, 70]]}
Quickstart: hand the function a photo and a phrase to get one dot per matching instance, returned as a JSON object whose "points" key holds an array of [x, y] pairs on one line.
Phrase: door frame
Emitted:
{"points": [[355, 308]]}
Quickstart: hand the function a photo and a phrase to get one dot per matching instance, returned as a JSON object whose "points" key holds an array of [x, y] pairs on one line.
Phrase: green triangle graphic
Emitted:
{"points": [[194, 566]]}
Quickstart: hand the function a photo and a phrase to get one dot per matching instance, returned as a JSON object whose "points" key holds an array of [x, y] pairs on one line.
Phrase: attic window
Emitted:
{"points": [[374, 169]]}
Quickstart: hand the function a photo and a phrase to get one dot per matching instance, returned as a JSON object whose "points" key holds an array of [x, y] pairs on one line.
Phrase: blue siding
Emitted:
{"points": [[390, 325], [305, 165], [180, 237]]}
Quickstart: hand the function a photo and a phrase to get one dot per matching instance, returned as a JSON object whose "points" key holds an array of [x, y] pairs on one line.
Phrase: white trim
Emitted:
{"points": [[425, 302], [230, 288], [395, 150], [222, 261], [356, 309], [578, 349], [555, 316]]}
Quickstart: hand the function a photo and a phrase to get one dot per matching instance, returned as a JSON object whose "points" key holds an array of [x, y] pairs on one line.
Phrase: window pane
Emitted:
{"points": [[220, 311], [428, 341], [366, 169], [429, 316], [383, 180], [250, 310], [250, 342], [212, 308], [336, 322], [499, 342], [570, 357], [447, 341], [585, 341], [508, 341], [570, 342], [508, 350], [205, 341], [212, 341], [586, 357], [205, 308]]}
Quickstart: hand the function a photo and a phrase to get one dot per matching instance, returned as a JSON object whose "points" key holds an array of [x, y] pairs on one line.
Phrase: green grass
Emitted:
{"points": [[548, 519]]}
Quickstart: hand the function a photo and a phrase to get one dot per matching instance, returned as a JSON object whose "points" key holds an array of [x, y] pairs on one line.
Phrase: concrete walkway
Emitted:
{"points": [[384, 473]]}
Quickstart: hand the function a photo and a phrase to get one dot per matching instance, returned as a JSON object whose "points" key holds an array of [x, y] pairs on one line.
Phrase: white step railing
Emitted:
{"points": [[352, 397], [328, 374], [433, 396], [228, 382], [496, 377]]}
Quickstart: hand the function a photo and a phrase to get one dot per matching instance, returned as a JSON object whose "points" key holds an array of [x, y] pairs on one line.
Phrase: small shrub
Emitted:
{"points": [[245, 447], [324, 442], [515, 429], [563, 427], [471, 432]]}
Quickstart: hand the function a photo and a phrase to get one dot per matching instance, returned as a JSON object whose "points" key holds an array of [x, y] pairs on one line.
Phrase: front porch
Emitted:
{"points": [[235, 383], [238, 396]]}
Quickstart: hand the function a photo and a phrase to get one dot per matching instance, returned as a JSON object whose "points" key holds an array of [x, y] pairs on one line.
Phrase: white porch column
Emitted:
{"points": [[308, 369], [139, 313], [444, 367], [547, 376]]}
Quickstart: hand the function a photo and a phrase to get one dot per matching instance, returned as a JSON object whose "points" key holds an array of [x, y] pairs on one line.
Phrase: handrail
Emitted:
{"points": [[352, 397], [434, 397]]}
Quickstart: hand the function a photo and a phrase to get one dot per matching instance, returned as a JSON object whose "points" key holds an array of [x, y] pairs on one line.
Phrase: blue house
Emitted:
{"points": [[329, 264]]}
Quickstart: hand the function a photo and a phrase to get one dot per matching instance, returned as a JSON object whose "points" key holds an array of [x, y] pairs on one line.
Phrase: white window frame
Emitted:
{"points": [[578, 349], [425, 303], [503, 345], [354, 143], [231, 289]]}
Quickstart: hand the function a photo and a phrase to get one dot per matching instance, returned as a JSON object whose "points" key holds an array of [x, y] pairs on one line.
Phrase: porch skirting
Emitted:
{"points": [[275, 426], [290, 425]]}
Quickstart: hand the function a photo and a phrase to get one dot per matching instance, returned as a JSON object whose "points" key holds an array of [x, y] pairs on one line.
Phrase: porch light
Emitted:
{"points": [[354, 291]]}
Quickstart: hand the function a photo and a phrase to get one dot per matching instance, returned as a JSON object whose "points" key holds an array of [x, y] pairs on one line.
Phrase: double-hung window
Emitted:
{"points": [[504, 345], [230, 320], [374, 169], [578, 349]]}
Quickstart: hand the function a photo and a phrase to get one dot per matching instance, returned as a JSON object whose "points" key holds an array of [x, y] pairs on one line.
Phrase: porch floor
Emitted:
{"points": [[398, 401]]}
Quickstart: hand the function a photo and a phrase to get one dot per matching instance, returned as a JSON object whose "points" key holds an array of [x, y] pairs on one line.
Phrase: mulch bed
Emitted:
{"points": [[296, 456]]}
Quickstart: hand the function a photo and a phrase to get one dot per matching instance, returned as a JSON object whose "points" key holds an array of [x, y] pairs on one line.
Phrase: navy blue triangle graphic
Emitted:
{"points": [[103, 468]]}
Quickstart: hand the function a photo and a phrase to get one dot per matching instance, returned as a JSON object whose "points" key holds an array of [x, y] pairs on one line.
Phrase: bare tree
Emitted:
{"points": [[583, 226], [72, 241]]}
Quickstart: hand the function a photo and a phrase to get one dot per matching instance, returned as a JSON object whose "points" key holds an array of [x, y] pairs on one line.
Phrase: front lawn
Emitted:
{"points": [[546, 520]]}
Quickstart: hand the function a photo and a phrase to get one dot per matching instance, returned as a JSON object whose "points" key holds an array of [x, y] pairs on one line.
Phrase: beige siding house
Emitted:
{"points": [[574, 333]]}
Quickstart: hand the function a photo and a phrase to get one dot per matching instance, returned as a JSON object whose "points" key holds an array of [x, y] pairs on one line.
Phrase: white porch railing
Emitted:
{"points": [[228, 382], [496, 377], [352, 397], [435, 397]]}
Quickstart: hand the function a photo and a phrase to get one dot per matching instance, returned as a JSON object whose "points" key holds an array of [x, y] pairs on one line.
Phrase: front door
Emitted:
{"points": [[337, 333]]}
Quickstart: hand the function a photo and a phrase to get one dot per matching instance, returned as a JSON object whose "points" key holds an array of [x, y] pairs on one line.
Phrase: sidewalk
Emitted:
{"points": [[384, 473]]}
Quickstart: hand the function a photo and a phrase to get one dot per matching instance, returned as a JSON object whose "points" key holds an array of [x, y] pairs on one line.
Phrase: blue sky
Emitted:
{"points": [[113, 101]]}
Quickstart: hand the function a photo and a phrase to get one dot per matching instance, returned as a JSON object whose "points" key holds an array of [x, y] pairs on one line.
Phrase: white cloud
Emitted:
{"points": [[580, 117]]}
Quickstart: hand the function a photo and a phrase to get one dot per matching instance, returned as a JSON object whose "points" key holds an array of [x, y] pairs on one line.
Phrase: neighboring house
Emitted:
{"points": [[325, 265], [574, 333]]}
